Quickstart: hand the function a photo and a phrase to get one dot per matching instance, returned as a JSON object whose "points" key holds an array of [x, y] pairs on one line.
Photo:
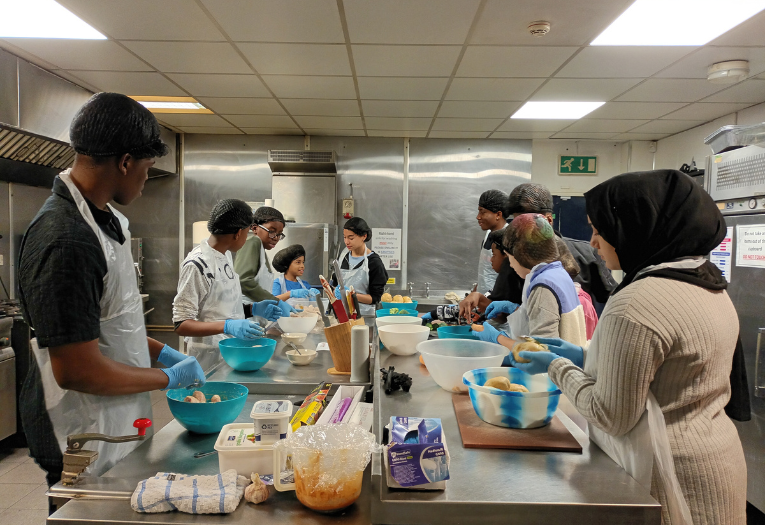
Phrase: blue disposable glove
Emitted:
{"points": [[339, 292], [540, 362], [186, 374], [169, 356], [286, 309], [427, 317], [313, 292], [243, 329], [300, 293], [500, 307], [489, 333], [268, 310], [570, 351]]}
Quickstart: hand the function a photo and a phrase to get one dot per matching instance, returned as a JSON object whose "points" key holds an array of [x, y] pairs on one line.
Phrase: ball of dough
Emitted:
{"points": [[386, 298], [515, 387], [215, 399], [501, 383], [528, 345], [398, 299], [191, 399], [200, 396], [407, 299]]}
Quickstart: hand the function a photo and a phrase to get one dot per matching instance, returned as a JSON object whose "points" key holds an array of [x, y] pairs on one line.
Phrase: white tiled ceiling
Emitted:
{"points": [[415, 68]]}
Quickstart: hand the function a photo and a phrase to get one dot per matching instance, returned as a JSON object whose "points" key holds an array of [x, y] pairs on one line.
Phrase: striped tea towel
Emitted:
{"points": [[192, 494]]}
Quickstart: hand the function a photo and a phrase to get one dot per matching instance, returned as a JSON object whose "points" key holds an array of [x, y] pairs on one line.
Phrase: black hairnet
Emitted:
{"points": [[266, 214], [284, 258], [495, 239], [530, 239], [111, 124], [360, 227], [229, 216], [494, 201], [530, 198]]}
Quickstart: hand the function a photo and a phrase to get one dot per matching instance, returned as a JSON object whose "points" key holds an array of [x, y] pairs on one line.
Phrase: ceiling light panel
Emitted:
{"points": [[42, 19], [556, 110], [676, 22], [159, 104]]}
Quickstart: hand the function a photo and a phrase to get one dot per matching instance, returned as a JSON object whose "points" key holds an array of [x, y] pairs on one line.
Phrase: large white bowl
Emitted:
{"points": [[406, 319], [447, 360], [402, 339], [298, 325]]}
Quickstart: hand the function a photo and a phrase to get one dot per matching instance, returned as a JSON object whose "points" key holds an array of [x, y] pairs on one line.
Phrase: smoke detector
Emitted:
{"points": [[728, 72], [539, 28]]}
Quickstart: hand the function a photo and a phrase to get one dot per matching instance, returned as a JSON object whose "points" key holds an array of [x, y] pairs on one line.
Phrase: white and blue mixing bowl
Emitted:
{"points": [[531, 409]]}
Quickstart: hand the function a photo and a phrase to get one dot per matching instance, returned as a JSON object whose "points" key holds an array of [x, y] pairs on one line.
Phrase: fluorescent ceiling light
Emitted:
{"points": [[556, 110], [676, 22], [42, 19], [172, 104]]}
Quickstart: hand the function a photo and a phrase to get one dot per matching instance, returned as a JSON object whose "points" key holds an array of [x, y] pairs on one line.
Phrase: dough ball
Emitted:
{"points": [[386, 298], [502, 383], [215, 399], [191, 399], [398, 299], [200, 396], [407, 299], [528, 345], [515, 387]]}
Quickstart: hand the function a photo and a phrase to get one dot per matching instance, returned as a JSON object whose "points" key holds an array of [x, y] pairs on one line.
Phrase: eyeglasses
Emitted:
{"points": [[272, 235]]}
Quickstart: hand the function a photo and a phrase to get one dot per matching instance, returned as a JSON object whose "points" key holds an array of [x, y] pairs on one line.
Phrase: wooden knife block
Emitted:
{"points": [[339, 340]]}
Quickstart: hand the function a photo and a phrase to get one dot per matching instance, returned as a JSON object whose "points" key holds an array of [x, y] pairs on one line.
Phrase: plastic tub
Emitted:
{"points": [[298, 325], [456, 332], [237, 451], [411, 312], [270, 419], [247, 355], [402, 339], [404, 319], [388, 306], [208, 418], [531, 409], [447, 360]]}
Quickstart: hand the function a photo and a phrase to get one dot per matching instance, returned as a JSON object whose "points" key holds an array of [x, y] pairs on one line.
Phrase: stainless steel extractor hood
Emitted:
{"points": [[296, 161]]}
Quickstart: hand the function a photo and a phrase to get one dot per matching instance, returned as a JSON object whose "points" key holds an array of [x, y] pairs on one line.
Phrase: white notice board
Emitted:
{"points": [[386, 242], [722, 255], [751, 245]]}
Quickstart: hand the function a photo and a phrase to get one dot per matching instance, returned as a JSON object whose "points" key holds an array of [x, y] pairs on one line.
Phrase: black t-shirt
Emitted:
{"points": [[378, 277]]}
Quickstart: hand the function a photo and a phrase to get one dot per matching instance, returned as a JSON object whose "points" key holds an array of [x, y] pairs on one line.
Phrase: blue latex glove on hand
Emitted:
{"points": [[268, 310], [500, 307], [540, 362], [170, 356], [286, 309], [243, 329], [570, 351], [186, 374], [339, 293], [313, 292], [427, 317], [300, 293], [489, 334]]}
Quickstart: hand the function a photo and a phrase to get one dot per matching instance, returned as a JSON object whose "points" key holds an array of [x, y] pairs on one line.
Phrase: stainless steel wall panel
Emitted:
{"points": [[309, 198], [446, 178], [9, 89], [5, 242], [26, 201]]}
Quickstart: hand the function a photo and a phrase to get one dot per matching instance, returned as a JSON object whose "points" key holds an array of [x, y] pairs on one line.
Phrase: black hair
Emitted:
{"points": [[266, 214], [360, 227], [285, 257]]}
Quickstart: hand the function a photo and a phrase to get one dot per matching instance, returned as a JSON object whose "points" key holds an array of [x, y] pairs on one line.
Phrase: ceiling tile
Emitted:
{"points": [[705, 111], [298, 59], [748, 33], [399, 108], [467, 109], [573, 23], [403, 61], [316, 122], [640, 136], [221, 85], [521, 134], [409, 21], [281, 21], [696, 64], [82, 54], [604, 126], [522, 124], [622, 61], [667, 126], [492, 88], [260, 121], [211, 130], [285, 86], [190, 57], [191, 119], [539, 61], [752, 91], [634, 110], [402, 88], [584, 89], [438, 134], [336, 108], [146, 19], [398, 124], [132, 83], [670, 90], [272, 131], [336, 132], [243, 106], [466, 124], [583, 135], [390, 133]]}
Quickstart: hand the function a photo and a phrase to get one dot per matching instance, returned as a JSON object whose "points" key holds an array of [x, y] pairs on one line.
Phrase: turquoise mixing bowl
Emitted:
{"points": [[456, 332], [208, 418], [247, 355]]}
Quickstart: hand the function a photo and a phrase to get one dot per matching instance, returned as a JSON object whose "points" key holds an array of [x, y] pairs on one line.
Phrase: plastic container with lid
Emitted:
{"points": [[271, 419], [238, 450]]}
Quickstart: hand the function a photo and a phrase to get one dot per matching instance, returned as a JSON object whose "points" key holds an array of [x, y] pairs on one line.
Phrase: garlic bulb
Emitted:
{"points": [[257, 491]]}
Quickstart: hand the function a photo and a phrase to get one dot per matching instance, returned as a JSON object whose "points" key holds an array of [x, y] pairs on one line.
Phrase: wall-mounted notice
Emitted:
{"points": [[751, 245], [386, 242], [722, 255]]}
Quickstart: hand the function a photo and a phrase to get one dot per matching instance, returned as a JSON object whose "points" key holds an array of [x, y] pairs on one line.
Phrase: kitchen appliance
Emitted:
{"points": [[8, 424], [737, 183]]}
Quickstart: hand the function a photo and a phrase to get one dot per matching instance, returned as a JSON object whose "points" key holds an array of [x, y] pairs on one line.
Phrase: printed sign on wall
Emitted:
{"points": [[722, 255], [751, 246], [386, 242]]}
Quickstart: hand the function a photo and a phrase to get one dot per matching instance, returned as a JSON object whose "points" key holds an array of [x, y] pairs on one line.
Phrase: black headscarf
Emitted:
{"points": [[653, 217]]}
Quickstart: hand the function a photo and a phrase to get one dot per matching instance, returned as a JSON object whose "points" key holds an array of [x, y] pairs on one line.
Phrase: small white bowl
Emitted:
{"points": [[294, 338], [303, 358], [298, 325], [404, 319], [402, 339]]}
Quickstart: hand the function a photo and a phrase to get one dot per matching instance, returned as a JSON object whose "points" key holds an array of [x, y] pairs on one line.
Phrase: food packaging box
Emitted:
{"points": [[353, 393], [238, 450], [271, 419], [363, 416], [311, 407], [417, 456]]}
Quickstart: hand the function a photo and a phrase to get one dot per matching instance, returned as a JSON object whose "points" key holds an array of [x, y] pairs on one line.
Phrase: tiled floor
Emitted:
{"points": [[22, 482]]}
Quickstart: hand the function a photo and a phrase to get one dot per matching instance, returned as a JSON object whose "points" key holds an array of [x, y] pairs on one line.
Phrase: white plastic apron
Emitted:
{"points": [[122, 338], [222, 302], [359, 279], [486, 274], [264, 277], [636, 450], [293, 302]]}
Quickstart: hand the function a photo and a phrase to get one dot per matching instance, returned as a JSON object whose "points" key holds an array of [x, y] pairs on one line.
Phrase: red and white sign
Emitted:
{"points": [[751, 246]]}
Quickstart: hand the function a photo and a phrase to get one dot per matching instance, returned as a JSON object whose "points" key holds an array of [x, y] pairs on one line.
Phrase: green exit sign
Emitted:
{"points": [[576, 165]]}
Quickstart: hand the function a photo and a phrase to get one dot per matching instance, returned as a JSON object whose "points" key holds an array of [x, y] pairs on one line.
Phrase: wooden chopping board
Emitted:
{"points": [[476, 433]]}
